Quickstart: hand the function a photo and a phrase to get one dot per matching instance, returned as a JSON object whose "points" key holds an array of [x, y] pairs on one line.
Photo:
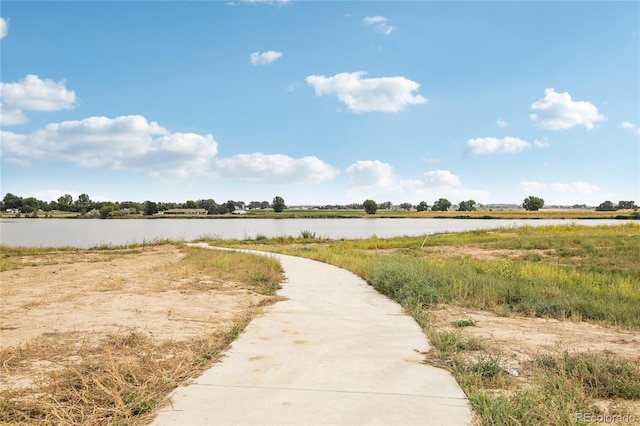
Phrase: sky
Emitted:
{"points": [[321, 102]]}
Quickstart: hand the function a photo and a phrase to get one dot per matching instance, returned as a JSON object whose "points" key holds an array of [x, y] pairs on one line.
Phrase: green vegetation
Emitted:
{"points": [[532, 203], [370, 206], [581, 273], [66, 207]]}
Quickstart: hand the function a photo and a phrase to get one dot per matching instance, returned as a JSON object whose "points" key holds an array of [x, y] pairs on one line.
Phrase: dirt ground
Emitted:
{"points": [[98, 292], [76, 294]]}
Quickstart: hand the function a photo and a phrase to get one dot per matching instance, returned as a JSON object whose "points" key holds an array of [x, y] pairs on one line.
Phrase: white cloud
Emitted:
{"points": [[441, 178], [265, 58], [136, 144], [484, 146], [376, 180], [578, 187], [630, 126], [4, 27], [556, 111], [501, 123], [386, 94], [379, 23], [11, 116], [278, 168], [542, 143], [32, 94], [121, 143]]}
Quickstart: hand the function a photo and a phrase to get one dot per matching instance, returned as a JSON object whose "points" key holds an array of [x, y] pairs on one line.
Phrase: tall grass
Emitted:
{"points": [[606, 292], [582, 273]]}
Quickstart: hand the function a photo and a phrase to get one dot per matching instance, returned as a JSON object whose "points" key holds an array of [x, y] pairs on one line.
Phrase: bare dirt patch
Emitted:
{"points": [[98, 292], [518, 339], [118, 314]]}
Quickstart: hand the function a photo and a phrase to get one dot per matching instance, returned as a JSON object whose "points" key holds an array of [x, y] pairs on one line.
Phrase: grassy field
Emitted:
{"points": [[573, 273]]}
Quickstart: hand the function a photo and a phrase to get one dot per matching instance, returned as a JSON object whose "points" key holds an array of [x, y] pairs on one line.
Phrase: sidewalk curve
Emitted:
{"points": [[336, 352]]}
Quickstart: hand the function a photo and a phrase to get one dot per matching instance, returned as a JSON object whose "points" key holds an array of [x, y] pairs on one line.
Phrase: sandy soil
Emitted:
{"points": [[101, 292]]}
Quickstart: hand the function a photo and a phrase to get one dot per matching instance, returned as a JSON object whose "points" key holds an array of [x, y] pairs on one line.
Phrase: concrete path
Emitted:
{"points": [[336, 352]]}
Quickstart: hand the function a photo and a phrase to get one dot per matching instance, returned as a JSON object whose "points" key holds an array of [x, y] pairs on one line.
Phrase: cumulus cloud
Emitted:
{"points": [[441, 178], [33, 94], [556, 111], [265, 58], [11, 116], [379, 23], [121, 143], [484, 146], [375, 179], [501, 123], [4, 28], [630, 126], [136, 144], [278, 168], [578, 187], [386, 94]]}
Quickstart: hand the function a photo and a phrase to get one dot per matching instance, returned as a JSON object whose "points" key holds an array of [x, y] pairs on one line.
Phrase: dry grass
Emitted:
{"points": [[87, 376]]}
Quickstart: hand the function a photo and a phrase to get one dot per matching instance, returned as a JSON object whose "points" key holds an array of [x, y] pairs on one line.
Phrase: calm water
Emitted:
{"points": [[84, 233]]}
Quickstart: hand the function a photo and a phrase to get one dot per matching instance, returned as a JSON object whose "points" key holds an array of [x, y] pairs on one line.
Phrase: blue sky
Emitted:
{"points": [[321, 102]]}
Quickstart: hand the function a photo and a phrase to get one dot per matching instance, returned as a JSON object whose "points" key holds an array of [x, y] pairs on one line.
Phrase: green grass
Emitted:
{"points": [[588, 285], [585, 273]]}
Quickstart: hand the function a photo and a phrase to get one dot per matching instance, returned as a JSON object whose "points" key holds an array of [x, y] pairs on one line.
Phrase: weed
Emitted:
{"points": [[464, 323], [450, 342], [307, 235]]}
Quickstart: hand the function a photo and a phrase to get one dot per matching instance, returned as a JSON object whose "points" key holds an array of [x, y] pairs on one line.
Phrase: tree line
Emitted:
{"points": [[85, 206]]}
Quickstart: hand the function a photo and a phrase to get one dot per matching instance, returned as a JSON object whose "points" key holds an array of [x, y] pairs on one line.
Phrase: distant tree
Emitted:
{"points": [[190, 204], [29, 205], [83, 201], [442, 205], [65, 202], [133, 206], [205, 204], [532, 203], [231, 206], [278, 204], [264, 205], [370, 206], [386, 205], [627, 205], [467, 206], [422, 206], [11, 201], [406, 206], [213, 209], [150, 208], [106, 211], [606, 206]]}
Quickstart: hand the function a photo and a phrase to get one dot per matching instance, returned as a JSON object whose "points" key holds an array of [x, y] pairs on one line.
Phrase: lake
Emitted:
{"points": [[85, 233]]}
